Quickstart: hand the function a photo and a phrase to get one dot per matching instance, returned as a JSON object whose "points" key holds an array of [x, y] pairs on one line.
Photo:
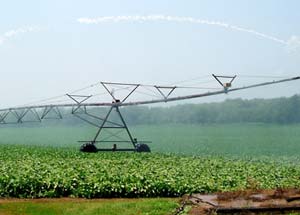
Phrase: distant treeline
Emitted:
{"points": [[279, 110]]}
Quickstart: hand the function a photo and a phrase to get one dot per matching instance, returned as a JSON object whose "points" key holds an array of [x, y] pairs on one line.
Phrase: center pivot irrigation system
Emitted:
{"points": [[114, 125]]}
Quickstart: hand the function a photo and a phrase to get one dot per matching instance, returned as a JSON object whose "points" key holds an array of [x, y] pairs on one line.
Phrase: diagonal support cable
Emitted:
{"points": [[113, 135], [102, 119], [85, 120]]}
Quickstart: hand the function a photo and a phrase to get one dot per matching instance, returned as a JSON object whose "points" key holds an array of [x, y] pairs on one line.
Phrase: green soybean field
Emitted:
{"points": [[46, 162], [35, 172]]}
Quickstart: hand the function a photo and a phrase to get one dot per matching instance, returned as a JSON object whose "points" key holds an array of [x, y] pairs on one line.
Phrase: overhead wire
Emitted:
{"points": [[105, 93], [87, 87], [153, 91], [119, 88], [148, 87], [189, 80], [261, 76], [147, 94], [59, 96]]}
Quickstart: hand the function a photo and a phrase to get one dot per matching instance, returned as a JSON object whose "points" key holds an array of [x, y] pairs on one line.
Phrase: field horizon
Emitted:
{"points": [[234, 139]]}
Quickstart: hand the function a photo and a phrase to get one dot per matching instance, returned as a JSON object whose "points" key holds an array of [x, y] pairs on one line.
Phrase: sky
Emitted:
{"points": [[51, 47]]}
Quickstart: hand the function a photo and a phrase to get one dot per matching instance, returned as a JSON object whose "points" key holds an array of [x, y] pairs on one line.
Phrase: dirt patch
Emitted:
{"points": [[246, 202]]}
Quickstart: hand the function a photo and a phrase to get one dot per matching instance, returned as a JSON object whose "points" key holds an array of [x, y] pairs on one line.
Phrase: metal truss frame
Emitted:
{"points": [[80, 104], [104, 121]]}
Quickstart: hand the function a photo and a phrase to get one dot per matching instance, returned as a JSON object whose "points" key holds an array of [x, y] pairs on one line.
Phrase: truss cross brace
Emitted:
{"points": [[83, 99], [225, 85], [120, 126], [48, 109], [2, 117], [165, 96], [111, 93]]}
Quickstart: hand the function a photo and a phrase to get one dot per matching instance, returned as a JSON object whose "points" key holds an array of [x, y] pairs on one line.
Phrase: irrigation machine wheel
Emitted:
{"points": [[88, 147], [142, 147]]}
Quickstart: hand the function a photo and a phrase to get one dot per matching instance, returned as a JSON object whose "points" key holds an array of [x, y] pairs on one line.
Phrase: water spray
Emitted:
{"points": [[293, 42]]}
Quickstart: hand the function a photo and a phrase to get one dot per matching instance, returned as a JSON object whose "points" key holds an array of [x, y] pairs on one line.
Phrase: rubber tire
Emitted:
{"points": [[141, 147], [88, 147]]}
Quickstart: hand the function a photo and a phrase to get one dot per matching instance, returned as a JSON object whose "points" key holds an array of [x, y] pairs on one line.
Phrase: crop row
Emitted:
{"points": [[35, 172]]}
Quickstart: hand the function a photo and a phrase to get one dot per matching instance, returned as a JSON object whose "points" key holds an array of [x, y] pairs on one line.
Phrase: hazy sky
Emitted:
{"points": [[47, 50]]}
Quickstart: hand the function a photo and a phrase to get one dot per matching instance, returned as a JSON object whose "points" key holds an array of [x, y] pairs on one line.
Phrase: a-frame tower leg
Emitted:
{"points": [[121, 125]]}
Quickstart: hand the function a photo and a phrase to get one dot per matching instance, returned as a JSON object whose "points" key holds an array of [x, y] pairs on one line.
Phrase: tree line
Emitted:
{"points": [[279, 110]]}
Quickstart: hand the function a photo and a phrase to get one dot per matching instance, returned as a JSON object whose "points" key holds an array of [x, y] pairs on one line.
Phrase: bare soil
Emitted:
{"points": [[246, 202]]}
